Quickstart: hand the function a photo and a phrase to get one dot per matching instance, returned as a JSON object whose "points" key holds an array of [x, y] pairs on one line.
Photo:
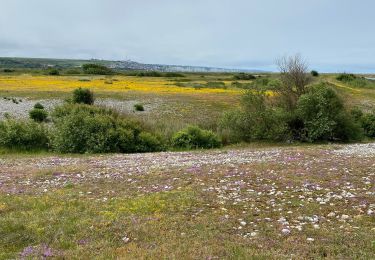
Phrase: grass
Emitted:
{"points": [[94, 207], [231, 203]]}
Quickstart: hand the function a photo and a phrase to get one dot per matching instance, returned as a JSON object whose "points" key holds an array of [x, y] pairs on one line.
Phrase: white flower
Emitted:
{"points": [[285, 231], [125, 239]]}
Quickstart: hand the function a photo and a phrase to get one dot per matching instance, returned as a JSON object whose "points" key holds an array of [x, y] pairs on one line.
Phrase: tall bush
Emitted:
{"points": [[324, 116], [89, 129], [23, 135]]}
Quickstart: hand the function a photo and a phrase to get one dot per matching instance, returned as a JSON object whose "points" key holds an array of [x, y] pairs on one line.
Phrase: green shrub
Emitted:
{"points": [[53, 72], [243, 76], [368, 124], [149, 74], [324, 116], [23, 135], [174, 75], [38, 106], [139, 107], [314, 73], [215, 84], [38, 115], [96, 69], [346, 77], [255, 120], [83, 96], [194, 137], [90, 129], [73, 72]]}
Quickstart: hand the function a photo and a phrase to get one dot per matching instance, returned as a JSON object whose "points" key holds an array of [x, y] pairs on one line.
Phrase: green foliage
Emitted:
{"points": [[243, 76], [149, 74], [38, 106], [215, 84], [314, 73], [194, 137], [324, 116], [96, 69], [255, 120], [23, 135], [73, 72], [89, 129], [319, 116], [83, 96], [368, 124], [174, 75], [139, 107], [38, 115], [53, 72], [8, 70], [346, 77]]}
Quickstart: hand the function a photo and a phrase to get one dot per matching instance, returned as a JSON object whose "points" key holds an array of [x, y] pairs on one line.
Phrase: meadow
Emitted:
{"points": [[259, 200]]}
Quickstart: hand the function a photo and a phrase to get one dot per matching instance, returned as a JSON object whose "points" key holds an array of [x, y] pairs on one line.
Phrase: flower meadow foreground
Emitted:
{"points": [[275, 203]]}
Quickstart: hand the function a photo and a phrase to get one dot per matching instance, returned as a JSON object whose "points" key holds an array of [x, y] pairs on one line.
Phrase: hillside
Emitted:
{"points": [[38, 63]]}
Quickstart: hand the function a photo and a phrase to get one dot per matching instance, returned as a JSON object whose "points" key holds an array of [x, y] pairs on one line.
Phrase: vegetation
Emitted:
{"points": [[194, 137], [299, 113], [324, 118], [139, 107], [23, 135], [96, 69], [346, 77], [314, 73], [38, 115], [53, 72], [88, 129], [240, 202], [83, 96], [38, 106], [243, 76]]}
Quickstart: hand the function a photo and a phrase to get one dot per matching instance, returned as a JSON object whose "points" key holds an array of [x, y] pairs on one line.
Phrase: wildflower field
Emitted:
{"points": [[245, 201], [309, 202]]}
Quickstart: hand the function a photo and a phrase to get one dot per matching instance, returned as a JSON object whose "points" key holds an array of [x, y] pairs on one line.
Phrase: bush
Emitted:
{"points": [[314, 73], [346, 77], [215, 84], [53, 72], [257, 119], [73, 72], [195, 137], [174, 75], [89, 129], [243, 76], [139, 107], [24, 135], [149, 74], [368, 124], [324, 116], [38, 106], [83, 96], [38, 115], [8, 70], [96, 69]]}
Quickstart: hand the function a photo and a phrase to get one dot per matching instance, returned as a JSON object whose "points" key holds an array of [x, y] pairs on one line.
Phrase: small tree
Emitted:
{"points": [[314, 73], [294, 77]]}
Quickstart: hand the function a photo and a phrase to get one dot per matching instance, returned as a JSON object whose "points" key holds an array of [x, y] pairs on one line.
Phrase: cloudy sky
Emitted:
{"points": [[333, 35]]}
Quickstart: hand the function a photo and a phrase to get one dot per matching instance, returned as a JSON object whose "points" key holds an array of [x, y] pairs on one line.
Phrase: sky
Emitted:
{"points": [[332, 35]]}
